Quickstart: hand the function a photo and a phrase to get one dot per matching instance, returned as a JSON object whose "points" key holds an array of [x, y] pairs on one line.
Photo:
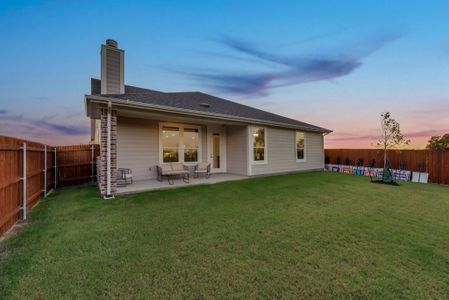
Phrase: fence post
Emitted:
{"points": [[45, 171], [92, 162], [56, 170], [24, 181]]}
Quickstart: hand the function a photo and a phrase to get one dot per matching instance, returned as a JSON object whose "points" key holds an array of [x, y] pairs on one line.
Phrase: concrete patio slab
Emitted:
{"points": [[153, 184]]}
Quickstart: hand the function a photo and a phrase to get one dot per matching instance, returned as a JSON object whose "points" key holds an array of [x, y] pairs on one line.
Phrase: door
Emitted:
{"points": [[216, 136]]}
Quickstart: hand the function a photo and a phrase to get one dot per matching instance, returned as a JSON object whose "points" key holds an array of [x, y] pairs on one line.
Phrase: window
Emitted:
{"points": [[170, 144], [300, 149], [191, 144], [179, 143], [259, 151]]}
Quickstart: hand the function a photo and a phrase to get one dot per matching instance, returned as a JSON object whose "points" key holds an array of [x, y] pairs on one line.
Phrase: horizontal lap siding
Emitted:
{"points": [[237, 150], [281, 153], [138, 146]]}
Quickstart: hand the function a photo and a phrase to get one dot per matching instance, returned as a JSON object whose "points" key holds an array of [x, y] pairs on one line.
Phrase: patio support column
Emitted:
{"points": [[108, 152], [108, 171]]}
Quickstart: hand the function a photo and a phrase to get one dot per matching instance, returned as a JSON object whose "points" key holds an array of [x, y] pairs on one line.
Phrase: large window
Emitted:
{"points": [[259, 144], [191, 144], [170, 144], [300, 146], [179, 143]]}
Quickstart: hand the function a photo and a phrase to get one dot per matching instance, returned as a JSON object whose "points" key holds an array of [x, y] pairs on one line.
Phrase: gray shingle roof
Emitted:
{"points": [[200, 102]]}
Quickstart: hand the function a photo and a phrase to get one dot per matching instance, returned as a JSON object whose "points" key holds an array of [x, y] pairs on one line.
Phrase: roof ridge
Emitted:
{"points": [[192, 100]]}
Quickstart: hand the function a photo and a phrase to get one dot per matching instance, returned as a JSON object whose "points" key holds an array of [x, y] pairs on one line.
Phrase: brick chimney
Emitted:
{"points": [[112, 68]]}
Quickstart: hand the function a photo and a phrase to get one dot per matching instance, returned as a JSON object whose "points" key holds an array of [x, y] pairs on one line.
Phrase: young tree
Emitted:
{"points": [[439, 143], [391, 136]]}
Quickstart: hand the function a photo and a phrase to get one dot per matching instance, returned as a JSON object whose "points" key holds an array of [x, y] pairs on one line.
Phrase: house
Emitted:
{"points": [[139, 128]]}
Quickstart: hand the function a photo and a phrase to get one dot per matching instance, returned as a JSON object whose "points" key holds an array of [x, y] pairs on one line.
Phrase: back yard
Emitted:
{"points": [[309, 235]]}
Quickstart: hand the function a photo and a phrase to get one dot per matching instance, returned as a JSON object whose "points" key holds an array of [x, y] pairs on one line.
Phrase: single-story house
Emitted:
{"points": [[139, 128]]}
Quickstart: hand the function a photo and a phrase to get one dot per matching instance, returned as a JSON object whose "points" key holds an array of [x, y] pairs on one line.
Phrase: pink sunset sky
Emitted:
{"points": [[336, 65]]}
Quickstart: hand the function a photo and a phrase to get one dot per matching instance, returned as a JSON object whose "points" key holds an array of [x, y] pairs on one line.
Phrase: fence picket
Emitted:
{"points": [[23, 189], [436, 162]]}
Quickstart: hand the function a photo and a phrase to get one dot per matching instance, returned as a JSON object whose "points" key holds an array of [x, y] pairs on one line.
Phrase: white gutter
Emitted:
{"points": [[162, 108]]}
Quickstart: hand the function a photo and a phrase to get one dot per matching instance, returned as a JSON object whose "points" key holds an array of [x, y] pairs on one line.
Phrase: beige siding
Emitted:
{"points": [[281, 153], [237, 150], [138, 149], [138, 146]]}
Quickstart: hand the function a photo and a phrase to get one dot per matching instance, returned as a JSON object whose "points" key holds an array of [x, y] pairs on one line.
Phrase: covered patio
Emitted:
{"points": [[153, 184]]}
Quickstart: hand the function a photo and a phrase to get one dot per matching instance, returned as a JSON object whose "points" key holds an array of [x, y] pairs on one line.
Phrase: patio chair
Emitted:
{"points": [[171, 171], [124, 176], [202, 168]]}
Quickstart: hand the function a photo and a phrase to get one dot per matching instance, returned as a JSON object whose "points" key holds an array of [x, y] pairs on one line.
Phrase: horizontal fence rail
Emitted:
{"points": [[436, 163], [30, 170]]}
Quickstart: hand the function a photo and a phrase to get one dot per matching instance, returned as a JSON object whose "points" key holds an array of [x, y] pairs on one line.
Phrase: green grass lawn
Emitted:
{"points": [[308, 235]]}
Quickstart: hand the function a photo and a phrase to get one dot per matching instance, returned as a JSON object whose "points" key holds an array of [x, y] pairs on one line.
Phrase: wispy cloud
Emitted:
{"points": [[288, 70], [3, 111], [352, 137], [65, 129], [426, 133], [342, 136], [61, 125]]}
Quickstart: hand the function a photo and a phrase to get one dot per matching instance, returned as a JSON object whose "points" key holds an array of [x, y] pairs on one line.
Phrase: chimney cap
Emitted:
{"points": [[111, 43]]}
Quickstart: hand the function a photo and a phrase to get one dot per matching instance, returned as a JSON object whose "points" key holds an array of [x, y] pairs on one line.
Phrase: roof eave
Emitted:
{"points": [[127, 103]]}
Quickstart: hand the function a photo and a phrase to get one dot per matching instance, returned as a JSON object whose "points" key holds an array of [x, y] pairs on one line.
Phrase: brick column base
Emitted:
{"points": [[102, 175]]}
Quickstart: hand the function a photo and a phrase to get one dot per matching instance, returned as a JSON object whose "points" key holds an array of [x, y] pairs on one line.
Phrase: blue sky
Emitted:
{"points": [[336, 64]]}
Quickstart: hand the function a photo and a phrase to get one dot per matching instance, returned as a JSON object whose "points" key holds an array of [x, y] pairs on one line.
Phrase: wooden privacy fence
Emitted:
{"points": [[30, 170], [436, 163]]}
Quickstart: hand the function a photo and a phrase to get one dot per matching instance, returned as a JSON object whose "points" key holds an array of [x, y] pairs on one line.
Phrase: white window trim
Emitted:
{"points": [[305, 147], [181, 142], [251, 142]]}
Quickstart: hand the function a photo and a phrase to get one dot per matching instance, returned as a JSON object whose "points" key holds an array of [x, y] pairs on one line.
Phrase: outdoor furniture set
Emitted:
{"points": [[173, 170], [169, 170]]}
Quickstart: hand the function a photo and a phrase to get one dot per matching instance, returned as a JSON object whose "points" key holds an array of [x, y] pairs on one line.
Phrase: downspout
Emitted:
{"points": [[108, 154]]}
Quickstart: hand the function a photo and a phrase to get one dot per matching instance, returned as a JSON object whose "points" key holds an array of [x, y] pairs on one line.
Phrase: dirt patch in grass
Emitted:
{"points": [[13, 231]]}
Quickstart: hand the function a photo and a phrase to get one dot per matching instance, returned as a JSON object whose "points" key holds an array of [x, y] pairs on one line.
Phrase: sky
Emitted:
{"points": [[335, 64]]}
